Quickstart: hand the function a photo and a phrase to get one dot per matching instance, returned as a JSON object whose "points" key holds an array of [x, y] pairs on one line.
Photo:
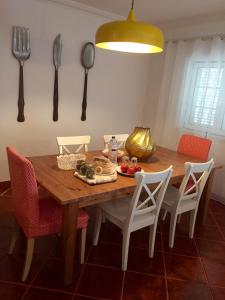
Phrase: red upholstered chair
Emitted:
{"points": [[36, 216], [194, 146]]}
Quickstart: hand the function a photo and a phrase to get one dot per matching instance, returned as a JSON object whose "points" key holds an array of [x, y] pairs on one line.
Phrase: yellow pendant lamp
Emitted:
{"points": [[130, 36]]}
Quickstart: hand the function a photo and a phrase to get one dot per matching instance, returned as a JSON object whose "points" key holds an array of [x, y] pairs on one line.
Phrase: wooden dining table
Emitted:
{"points": [[73, 194]]}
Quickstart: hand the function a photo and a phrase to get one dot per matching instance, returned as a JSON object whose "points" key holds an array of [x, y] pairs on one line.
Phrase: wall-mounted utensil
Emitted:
{"points": [[87, 60], [21, 51], [57, 52]]}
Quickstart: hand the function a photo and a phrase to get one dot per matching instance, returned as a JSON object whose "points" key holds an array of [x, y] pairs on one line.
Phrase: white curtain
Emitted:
{"points": [[170, 110]]}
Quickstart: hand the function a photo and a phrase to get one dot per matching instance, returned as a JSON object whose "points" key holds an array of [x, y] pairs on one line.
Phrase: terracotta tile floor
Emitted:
{"points": [[193, 269]]}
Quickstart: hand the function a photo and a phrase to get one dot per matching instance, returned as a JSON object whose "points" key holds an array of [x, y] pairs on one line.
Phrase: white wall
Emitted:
{"points": [[195, 27], [200, 27], [117, 86]]}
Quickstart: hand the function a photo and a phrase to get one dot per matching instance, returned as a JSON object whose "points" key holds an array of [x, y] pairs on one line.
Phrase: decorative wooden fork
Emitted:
{"points": [[21, 51]]}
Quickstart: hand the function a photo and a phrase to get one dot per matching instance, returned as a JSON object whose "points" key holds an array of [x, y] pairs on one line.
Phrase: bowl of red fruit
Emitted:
{"points": [[127, 170]]}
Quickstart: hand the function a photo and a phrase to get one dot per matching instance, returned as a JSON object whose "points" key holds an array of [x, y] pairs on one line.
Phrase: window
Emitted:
{"points": [[205, 97]]}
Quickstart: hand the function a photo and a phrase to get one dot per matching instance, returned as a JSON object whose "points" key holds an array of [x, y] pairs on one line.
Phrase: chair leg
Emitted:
{"points": [[103, 219], [5, 192], [82, 244], [97, 227], [164, 215], [28, 260], [125, 249], [152, 235], [178, 219], [173, 222], [16, 232], [192, 223]]}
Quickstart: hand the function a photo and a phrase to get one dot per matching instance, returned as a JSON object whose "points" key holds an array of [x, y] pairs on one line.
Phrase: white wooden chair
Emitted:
{"points": [[187, 197], [132, 214], [81, 141], [121, 139]]}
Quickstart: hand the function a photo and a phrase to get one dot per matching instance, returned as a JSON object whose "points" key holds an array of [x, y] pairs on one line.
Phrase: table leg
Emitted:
{"points": [[205, 199], [70, 215]]}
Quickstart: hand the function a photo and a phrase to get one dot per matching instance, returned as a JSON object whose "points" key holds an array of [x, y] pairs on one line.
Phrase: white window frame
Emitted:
{"points": [[190, 83]]}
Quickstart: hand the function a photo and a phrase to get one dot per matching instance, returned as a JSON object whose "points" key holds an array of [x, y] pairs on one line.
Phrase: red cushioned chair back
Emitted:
{"points": [[194, 146], [24, 189]]}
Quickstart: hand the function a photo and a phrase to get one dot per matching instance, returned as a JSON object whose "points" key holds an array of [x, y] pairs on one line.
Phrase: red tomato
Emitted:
{"points": [[131, 170], [123, 168], [138, 168]]}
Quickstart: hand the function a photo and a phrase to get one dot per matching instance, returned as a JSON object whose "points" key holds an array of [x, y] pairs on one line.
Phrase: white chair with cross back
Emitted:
{"points": [[132, 214], [121, 139], [187, 197], [81, 141]]}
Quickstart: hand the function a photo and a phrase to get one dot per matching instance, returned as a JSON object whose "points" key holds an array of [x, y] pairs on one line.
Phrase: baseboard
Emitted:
{"points": [[218, 198]]}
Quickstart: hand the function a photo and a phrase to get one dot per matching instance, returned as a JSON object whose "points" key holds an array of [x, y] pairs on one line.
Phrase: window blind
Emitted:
{"points": [[206, 97]]}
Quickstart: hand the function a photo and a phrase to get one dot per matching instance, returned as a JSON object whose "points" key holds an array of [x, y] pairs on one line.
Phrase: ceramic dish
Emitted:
{"points": [[125, 174]]}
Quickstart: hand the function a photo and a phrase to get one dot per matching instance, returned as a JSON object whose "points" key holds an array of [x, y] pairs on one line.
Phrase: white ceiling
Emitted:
{"points": [[160, 11]]}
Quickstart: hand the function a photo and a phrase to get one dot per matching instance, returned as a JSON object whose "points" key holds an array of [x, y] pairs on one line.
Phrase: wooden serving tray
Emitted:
{"points": [[98, 178]]}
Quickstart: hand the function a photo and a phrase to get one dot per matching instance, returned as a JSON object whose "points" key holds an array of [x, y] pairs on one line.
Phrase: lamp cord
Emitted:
{"points": [[132, 5]]}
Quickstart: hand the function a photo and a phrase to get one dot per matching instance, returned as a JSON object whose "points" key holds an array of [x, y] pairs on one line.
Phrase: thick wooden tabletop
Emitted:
{"points": [[66, 188]]}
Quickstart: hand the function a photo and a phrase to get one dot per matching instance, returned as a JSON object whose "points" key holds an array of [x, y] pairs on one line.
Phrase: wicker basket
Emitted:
{"points": [[69, 161]]}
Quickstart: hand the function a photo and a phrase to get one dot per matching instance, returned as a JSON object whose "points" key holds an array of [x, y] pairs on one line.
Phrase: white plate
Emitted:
{"points": [[125, 174]]}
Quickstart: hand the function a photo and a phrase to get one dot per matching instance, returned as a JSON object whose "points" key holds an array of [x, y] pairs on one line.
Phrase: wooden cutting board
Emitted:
{"points": [[98, 178]]}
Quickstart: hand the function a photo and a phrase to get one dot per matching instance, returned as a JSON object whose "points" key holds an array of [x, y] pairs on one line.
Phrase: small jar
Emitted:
{"points": [[90, 173], [134, 161], [125, 160], [83, 170], [80, 162]]}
